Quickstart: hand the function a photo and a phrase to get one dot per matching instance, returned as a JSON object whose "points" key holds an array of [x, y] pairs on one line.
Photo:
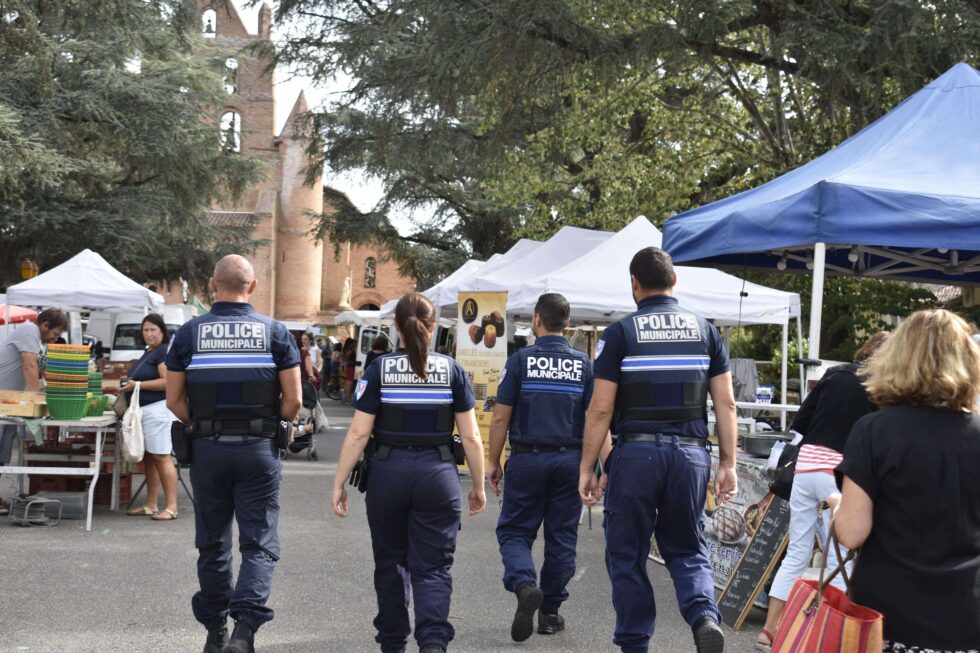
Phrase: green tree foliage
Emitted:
{"points": [[108, 139], [527, 116]]}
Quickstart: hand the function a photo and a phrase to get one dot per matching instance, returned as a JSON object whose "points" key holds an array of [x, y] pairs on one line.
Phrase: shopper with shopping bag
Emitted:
{"points": [[911, 490]]}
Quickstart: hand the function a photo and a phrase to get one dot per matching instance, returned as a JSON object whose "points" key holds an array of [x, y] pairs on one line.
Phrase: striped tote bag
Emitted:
{"points": [[821, 618]]}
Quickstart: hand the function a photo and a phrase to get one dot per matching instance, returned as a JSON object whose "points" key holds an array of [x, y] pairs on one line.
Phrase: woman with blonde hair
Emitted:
{"points": [[911, 487]]}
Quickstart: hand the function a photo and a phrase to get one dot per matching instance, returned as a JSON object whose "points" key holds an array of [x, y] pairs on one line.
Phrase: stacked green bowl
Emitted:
{"points": [[67, 390]]}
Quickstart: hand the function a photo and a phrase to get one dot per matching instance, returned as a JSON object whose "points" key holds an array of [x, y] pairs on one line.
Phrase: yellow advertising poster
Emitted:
{"points": [[481, 348]]}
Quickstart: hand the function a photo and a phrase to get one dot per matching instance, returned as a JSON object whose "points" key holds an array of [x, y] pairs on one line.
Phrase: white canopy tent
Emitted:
{"points": [[596, 285], [357, 318], [448, 294], [85, 282], [566, 246], [465, 270]]}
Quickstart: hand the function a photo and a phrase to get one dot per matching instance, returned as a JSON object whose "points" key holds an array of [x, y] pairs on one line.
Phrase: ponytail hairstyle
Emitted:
{"points": [[414, 316]]}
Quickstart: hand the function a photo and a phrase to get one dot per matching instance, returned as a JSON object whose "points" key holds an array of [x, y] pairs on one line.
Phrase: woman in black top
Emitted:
{"points": [[151, 373], [911, 495], [825, 420]]}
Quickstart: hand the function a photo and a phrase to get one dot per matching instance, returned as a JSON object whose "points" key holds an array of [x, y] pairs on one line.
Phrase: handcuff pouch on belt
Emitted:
{"points": [[359, 475], [181, 438], [459, 454]]}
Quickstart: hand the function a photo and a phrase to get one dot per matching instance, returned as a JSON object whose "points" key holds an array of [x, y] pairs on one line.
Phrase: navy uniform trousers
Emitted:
{"points": [[540, 487], [413, 509], [235, 477], [656, 490]]}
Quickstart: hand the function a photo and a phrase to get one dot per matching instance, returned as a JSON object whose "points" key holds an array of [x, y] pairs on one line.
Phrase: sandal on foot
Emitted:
{"points": [[762, 646], [142, 511], [172, 515]]}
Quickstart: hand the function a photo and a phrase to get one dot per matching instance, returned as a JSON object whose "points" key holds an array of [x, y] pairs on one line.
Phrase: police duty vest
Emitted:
{"points": [[550, 409], [664, 373], [415, 411], [232, 373]]}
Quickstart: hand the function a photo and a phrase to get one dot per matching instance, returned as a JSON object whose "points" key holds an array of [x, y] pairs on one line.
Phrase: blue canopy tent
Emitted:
{"points": [[898, 200]]}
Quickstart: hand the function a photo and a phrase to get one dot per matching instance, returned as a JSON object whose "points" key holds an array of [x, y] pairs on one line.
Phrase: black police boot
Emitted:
{"points": [[432, 648], [550, 623], [529, 599], [242, 639], [217, 639], [708, 636]]}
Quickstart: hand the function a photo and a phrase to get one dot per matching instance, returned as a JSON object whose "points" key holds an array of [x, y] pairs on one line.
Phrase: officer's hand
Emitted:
{"points": [[478, 500], [589, 488], [339, 501], [494, 475], [726, 483]]}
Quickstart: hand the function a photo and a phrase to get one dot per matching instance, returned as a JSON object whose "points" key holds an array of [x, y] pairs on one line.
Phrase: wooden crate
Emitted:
{"points": [[23, 404]]}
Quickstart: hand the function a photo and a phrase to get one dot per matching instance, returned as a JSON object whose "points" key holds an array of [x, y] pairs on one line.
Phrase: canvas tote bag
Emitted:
{"points": [[132, 429]]}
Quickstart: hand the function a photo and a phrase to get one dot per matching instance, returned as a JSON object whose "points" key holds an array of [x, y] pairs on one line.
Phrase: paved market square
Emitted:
{"points": [[126, 586]]}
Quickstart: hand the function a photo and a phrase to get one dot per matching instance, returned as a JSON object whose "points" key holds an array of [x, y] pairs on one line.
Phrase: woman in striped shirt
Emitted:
{"points": [[825, 420]]}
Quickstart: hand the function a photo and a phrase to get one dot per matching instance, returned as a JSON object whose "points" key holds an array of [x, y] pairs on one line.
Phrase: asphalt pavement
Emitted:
{"points": [[127, 585]]}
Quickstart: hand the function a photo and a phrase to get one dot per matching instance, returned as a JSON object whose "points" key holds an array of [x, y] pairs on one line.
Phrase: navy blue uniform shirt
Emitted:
{"points": [[147, 370], [368, 397], [285, 354], [675, 346], [549, 384]]}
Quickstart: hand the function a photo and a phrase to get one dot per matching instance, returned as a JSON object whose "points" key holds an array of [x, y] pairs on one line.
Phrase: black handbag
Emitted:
{"points": [[782, 484]]}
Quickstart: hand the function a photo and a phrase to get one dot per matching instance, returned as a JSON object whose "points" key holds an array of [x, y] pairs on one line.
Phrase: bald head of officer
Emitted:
{"points": [[233, 279]]}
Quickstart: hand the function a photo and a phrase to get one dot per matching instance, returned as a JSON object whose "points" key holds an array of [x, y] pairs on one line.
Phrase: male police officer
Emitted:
{"points": [[654, 370], [232, 374], [543, 392]]}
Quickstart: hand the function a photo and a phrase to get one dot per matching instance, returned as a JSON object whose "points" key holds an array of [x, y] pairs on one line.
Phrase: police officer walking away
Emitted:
{"points": [[233, 375], [542, 396], [654, 371], [410, 400]]}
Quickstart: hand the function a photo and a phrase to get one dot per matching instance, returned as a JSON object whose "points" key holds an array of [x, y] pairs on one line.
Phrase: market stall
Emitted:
{"points": [[73, 390], [79, 441], [898, 200]]}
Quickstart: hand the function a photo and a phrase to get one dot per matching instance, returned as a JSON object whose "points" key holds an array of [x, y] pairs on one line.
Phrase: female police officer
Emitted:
{"points": [[409, 399]]}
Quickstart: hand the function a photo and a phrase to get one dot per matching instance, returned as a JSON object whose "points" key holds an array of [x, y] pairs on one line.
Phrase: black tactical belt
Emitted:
{"points": [[517, 447], [209, 428], [413, 441], [662, 438]]}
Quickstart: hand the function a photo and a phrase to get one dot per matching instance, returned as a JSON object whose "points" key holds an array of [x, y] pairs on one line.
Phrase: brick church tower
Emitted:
{"points": [[299, 278]]}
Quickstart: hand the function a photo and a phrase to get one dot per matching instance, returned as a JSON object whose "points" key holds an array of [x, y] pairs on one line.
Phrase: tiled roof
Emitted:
{"points": [[231, 218]]}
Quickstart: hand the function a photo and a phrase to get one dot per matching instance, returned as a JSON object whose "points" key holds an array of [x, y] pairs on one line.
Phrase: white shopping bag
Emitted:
{"points": [[132, 429]]}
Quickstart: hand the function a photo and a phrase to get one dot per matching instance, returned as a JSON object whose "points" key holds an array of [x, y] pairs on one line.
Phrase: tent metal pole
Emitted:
{"points": [[816, 298], [784, 372], [799, 351]]}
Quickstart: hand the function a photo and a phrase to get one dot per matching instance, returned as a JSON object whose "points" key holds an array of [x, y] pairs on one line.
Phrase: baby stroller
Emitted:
{"points": [[307, 424]]}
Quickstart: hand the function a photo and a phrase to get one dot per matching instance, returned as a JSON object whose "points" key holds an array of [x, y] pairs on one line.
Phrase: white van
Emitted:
{"points": [[120, 332]]}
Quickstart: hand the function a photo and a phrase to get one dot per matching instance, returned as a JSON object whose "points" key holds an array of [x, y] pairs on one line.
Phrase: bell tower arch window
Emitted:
{"points": [[231, 131], [209, 23]]}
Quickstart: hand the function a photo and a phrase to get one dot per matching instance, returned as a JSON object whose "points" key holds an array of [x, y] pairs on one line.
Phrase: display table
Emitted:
{"points": [[100, 427]]}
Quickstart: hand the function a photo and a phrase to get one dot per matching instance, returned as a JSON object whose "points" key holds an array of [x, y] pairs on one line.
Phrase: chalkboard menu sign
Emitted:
{"points": [[756, 564]]}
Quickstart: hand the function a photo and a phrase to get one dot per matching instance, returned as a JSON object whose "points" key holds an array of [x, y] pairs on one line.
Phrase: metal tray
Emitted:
{"points": [[760, 444]]}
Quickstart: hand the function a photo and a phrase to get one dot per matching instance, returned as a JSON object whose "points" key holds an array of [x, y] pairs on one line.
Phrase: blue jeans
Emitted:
{"points": [[240, 480], [540, 487], [656, 490], [413, 509]]}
